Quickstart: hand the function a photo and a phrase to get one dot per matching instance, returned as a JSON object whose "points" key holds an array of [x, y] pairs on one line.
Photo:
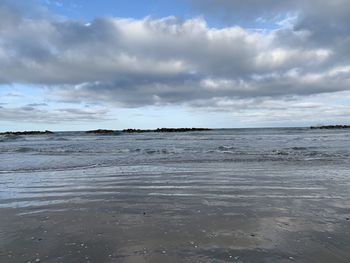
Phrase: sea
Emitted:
{"points": [[224, 195]]}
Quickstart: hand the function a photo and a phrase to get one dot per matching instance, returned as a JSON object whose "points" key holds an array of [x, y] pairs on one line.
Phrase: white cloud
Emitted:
{"points": [[140, 62]]}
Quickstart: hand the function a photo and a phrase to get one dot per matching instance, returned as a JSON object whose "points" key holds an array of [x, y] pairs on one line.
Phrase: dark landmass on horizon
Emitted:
{"points": [[27, 133], [329, 127], [166, 130], [110, 132], [103, 132], [158, 130]]}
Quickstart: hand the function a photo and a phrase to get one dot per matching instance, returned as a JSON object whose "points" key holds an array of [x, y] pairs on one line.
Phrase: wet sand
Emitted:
{"points": [[218, 212]]}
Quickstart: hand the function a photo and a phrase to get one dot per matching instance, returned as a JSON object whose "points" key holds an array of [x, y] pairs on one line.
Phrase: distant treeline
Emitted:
{"points": [[331, 127]]}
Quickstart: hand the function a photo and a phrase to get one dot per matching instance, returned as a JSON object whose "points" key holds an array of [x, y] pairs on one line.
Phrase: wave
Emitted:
{"points": [[309, 152], [161, 151], [53, 169], [57, 139], [10, 137], [226, 148], [300, 148], [24, 150]]}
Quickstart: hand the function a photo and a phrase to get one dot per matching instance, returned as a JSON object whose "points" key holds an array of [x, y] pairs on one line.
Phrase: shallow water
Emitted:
{"points": [[246, 195]]}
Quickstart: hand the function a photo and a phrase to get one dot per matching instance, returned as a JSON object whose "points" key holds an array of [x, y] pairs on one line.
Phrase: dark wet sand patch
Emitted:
{"points": [[176, 230]]}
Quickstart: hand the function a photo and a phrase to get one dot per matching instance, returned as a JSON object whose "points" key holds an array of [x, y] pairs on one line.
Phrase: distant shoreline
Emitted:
{"points": [[27, 133], [330, 127], [163, 130], [159, 130], [111, 132]]}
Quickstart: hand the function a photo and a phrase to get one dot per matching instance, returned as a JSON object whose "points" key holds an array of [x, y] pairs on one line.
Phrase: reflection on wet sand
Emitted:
{"points": [[232, 214]]}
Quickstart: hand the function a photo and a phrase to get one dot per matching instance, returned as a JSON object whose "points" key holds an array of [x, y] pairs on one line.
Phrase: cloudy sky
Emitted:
{"points": [[80, 64]]}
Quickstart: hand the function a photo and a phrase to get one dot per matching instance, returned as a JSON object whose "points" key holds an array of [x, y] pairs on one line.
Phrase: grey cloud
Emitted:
{"points": [[274, 9], [36, 105], [290, 110], [321, 23], [323, 19], [135, 94], [133, 63], [233, 10], [35, 115], [13, 94]]}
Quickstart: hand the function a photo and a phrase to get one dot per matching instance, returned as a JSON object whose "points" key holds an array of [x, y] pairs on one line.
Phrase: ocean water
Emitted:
{"points": [[232, 195]]}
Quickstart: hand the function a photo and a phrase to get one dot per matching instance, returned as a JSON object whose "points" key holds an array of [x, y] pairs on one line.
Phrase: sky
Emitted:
{"points": [[116, 64]]}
